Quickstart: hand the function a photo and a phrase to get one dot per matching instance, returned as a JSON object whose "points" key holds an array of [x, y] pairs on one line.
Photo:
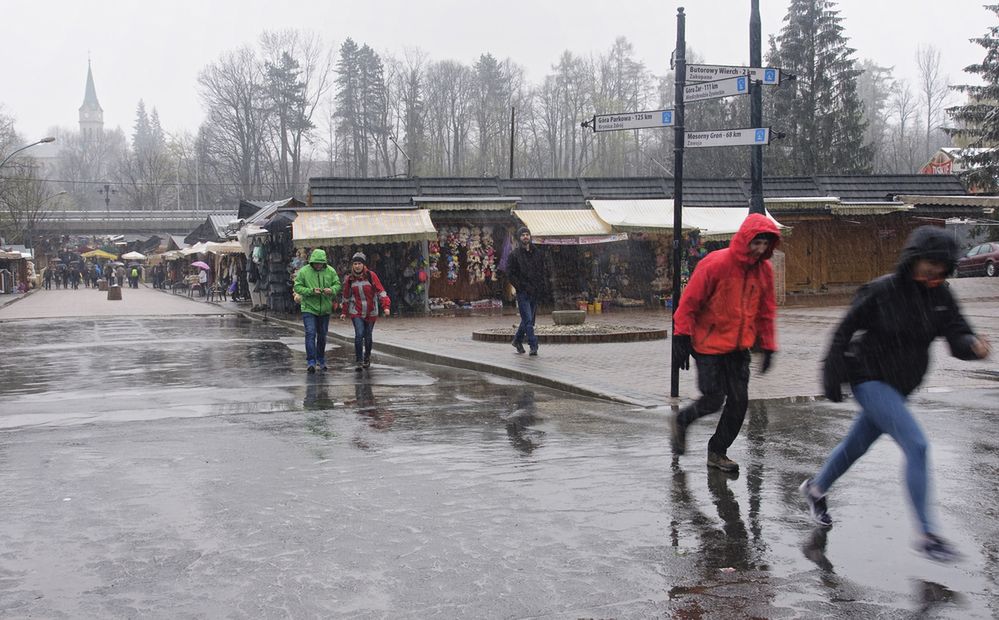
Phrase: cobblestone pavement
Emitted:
{"points": [[638, 372]]}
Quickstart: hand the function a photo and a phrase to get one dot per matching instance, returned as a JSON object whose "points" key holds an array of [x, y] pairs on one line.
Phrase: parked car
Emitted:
{"points": [[980, 260]]}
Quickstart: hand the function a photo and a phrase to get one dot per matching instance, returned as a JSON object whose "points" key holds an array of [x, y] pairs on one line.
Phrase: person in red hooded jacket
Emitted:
{"points": [[362, 294], [727, 308]]}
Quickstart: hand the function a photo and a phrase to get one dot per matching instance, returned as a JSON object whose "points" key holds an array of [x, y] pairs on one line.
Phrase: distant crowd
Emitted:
{"points": [[89, 274]]}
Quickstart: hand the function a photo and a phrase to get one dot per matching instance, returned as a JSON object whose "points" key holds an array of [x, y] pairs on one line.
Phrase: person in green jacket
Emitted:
{"points": [[318, 285]]}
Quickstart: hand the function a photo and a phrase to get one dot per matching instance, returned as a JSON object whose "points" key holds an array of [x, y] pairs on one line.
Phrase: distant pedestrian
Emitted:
{"points": [[527, 274], [363, 293], [133, 276], [47, 278], [727, 308], [898, 316], [317, 284], [119, 273]]}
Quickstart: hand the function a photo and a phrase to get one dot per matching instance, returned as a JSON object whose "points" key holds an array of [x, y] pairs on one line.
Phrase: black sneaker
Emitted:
{"points": [[937, 549], [534, 352], [324, 368], [519, 346], [816, 506], [677, 434], [366, 363], [359, 367], [311, 370]]}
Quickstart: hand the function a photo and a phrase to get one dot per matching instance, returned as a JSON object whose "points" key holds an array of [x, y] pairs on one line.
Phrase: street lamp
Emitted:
{"points": [[27, 146]]}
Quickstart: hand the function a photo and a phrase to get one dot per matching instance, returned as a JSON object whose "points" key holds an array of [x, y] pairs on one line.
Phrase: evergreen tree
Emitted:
{"points": [[821, 112], [348, 107], [978, 119]]}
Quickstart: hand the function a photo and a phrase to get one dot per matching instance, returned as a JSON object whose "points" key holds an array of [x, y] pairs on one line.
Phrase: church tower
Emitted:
{"points": [[91, 113]]}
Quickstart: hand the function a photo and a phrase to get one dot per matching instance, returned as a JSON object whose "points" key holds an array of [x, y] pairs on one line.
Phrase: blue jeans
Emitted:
{"points": [[528, 308], [316, 326], [362, 338], [883, 410]]}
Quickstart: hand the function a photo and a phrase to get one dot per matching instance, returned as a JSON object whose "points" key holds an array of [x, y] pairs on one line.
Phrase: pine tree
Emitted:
{"points": [[348, 107], [978, 119], [820, 112]]}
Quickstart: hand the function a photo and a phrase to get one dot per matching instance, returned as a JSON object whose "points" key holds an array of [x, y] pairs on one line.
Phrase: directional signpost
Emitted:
{"points": [[706, 73], [716, 89], [631, 120], [751, 136]]}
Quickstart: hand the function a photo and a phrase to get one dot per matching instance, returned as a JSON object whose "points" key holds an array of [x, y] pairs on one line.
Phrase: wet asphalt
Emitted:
{"points": [[188, 467]]}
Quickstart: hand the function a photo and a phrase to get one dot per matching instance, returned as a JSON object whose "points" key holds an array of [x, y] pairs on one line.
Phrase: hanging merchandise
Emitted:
{"points": [[453, 242], [435, 254], [474, 256], [488, 254]]}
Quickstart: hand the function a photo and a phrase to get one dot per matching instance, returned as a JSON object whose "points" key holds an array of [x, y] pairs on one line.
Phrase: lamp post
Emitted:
{"points": [[27, 146]]}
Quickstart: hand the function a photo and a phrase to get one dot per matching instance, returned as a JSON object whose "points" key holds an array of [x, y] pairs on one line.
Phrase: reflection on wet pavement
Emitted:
{"points": [[190, 467]]}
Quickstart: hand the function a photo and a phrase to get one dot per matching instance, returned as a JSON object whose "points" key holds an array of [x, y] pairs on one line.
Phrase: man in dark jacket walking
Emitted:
{"points": [[899, 315], [527, 275], [728, 307]]}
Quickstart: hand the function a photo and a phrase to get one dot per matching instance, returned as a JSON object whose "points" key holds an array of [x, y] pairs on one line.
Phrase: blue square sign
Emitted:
{"points": [[761, 135], [668, 117], [740, 84], [770, 76]]}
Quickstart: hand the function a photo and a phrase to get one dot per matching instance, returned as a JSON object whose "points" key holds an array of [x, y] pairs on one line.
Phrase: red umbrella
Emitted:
{"points": [[201, 265]]}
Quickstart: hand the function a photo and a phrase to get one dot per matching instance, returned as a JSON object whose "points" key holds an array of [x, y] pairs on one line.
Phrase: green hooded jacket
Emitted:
{"points": [[309, 279]]}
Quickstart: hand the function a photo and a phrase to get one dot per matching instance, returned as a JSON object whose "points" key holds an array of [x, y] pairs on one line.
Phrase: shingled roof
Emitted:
{"points": [[572, 193]]}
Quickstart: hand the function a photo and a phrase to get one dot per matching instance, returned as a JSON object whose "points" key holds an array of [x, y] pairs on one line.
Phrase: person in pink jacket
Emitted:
{"points": [[363, 293]]}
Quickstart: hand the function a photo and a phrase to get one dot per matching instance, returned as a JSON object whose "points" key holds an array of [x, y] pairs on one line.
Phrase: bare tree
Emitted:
{"points": [[904, 143], [25, 202], [232, 91], [934, 88]]}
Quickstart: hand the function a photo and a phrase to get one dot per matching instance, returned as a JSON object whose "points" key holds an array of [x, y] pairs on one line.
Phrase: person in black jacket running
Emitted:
{"points": [[899, 315], [527, 274]]}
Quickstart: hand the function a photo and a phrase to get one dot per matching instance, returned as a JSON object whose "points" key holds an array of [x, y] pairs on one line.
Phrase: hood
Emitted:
{"points": [[753, 225], [929, 242], [317, 256]]}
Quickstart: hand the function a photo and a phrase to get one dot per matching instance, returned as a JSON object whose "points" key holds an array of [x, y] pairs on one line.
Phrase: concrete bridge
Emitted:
{"points": [[120, 222]]}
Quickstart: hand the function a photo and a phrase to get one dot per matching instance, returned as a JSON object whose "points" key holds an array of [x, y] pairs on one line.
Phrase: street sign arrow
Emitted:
{"points": [[715, 89], [632, 120], [751, 136], [706, 73]]}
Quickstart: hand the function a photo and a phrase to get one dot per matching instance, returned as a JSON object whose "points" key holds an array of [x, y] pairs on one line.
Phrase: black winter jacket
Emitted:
{"points": [[526, 272], [898, 318]]}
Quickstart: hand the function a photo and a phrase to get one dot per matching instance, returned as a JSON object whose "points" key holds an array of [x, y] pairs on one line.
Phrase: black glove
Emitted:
{"points": [[682, 349], [768, 360], [832, 379]]}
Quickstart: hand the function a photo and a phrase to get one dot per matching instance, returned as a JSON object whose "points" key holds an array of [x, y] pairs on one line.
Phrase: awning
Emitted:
{"points": [[197, 248], [316, 228], [656, 215], [563, 222], [872, 208], [227, 247], [98, 254]]}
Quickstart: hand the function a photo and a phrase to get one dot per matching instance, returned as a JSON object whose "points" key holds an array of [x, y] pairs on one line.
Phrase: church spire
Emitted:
{"points": [[91, 113]]}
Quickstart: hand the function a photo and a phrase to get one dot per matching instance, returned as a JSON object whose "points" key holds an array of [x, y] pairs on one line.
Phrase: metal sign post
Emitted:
{"points": [[756, 110], [680, 68]]}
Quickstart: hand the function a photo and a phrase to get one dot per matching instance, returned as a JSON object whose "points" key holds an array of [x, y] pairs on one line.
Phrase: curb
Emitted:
{"points": [[8, 302]]}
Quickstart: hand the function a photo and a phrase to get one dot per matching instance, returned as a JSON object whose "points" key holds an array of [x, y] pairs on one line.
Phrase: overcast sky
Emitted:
{"points": [[155, 50]]}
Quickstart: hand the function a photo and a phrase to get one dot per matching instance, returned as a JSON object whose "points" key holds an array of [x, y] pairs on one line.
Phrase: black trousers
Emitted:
{"points": [[723, 381]]}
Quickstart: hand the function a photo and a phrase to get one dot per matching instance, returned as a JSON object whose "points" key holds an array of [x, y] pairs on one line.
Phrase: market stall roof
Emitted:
{"points": [[312, 228], [226, 247], [657, 216], [563, 222], [133, 256], [197, 248], [98, 254], [466, 203]]}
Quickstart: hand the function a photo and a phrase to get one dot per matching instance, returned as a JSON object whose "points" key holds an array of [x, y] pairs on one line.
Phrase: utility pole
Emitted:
{"points": [[756, 108], [513, 116], [680, 69]]}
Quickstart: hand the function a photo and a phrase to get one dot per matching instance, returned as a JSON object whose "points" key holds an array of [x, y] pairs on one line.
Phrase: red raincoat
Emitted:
{"points": [[729, 303], [362, 294]]}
